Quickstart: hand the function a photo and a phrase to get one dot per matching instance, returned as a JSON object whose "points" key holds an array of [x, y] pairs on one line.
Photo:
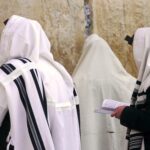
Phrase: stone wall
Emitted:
{"points": [[64, 23], [62, 20]]}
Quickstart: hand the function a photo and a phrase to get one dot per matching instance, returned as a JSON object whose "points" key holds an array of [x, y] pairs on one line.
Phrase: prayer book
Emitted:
{"points": [[109, 105]]}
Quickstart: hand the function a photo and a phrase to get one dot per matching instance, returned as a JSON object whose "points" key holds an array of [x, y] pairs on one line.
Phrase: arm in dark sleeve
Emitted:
{"points": [[136, 119]]}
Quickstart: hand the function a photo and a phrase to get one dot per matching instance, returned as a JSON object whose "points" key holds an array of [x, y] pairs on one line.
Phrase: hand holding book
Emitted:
{"points": [[118, 111], [110, 106]]}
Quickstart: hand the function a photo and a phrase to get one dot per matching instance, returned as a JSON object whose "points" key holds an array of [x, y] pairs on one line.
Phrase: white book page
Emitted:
{"points": [[109, 105]]}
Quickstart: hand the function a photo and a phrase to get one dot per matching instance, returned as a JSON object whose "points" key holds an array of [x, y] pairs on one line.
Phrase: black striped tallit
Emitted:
{"points": [[33, 129], [77, 107], [135, 139]]}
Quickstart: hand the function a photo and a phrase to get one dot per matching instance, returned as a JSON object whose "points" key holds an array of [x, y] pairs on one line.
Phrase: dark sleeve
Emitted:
{"points": [[134, 118], [4, 130]]}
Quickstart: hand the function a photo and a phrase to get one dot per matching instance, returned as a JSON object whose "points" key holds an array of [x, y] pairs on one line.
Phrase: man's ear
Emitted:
{"points": [[129, 39], [5, 22]]}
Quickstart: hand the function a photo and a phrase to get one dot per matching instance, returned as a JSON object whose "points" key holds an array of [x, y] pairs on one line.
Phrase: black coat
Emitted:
{"points": [[137, 119]]}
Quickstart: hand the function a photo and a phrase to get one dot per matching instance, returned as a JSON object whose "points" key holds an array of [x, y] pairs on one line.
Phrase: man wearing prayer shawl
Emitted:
{"points": [[99, 75], [36, 91], [137, 116]]}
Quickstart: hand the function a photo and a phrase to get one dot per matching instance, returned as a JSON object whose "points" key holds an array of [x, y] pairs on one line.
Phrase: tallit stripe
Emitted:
{"points": [[31, 121], [138, 82], [141, 94], [24, 60], [135, 141], [42, 99], [74, 93], [77, 107], [134, 94], [136, 134]]}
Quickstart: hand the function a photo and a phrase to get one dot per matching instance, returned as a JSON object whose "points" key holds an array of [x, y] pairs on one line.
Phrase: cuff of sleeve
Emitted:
{"points": [[128, 117]]}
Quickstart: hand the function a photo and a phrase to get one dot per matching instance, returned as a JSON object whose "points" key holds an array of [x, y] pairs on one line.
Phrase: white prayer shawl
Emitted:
{"points": [[100, 75], [28, 120], [24, 37], [141, 44], [141, 51]]}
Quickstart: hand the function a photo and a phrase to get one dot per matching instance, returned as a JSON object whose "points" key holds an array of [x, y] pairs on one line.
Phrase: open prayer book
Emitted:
{"points": [[109, 105]]}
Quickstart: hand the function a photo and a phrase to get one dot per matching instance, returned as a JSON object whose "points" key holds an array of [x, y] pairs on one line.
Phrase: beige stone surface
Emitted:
{"points": [[62, 20], [64, 23], [114, 19]]}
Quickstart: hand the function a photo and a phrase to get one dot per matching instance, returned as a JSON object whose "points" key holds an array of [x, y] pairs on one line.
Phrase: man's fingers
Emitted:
{"points": [[113, 114]]}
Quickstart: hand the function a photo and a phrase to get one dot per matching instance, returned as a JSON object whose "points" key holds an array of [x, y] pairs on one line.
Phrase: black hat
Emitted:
{"points": [[129, 39], [5, 22]]}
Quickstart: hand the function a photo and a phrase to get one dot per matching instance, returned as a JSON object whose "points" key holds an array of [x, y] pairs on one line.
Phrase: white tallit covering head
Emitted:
{"points": [[141, 51], [23, 37], [100, 75]]}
